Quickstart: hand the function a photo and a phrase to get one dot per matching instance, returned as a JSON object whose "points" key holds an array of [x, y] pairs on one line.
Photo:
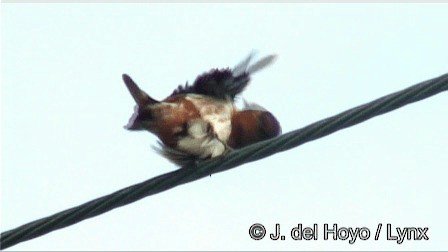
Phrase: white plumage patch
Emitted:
{"points": [[217, 112], [206, 137], [200, 141]]}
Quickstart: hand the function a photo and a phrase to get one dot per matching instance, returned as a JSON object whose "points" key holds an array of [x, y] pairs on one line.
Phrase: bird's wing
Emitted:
{"points": [[225, 83]]}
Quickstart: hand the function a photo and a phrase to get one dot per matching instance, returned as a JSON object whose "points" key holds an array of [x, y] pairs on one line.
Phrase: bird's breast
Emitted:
{"points": [[217, 112], [174, 114]]}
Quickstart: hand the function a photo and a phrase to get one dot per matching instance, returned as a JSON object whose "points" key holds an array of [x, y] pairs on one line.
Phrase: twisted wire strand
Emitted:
{"points": [[248, 154]]}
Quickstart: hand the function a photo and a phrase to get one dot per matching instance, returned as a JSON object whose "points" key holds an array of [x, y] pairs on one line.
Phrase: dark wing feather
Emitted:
{"points": [[225, 83]]}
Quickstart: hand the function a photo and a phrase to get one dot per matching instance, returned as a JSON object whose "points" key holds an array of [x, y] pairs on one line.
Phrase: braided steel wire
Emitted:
{"points": [[235, 158]]}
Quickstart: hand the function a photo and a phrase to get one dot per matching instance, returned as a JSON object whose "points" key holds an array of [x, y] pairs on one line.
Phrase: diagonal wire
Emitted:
{"points": [[248, 154]]}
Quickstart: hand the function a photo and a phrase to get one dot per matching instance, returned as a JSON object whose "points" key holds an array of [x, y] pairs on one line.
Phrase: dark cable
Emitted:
{"points": [[248, 154]]}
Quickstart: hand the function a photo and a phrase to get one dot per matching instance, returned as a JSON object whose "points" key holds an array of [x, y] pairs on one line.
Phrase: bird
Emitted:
{"points": [[201, 121]]}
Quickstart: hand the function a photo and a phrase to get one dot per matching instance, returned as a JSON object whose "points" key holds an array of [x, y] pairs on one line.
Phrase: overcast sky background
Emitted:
{"points": [[64, 106]]}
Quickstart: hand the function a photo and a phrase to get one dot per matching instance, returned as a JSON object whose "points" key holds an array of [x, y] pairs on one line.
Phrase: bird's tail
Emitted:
{"points": [[141, 109]]}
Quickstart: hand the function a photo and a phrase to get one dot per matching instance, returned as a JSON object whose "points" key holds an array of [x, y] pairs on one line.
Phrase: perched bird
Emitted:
{"points": [[200, 121]]}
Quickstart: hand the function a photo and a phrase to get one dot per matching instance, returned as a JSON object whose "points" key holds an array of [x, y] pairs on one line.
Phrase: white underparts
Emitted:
{"points": [[207, 136], [217, 112], [200, 141]]}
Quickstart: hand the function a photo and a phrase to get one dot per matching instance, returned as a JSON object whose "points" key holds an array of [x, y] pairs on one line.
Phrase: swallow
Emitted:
{"points": [[201, 121]]}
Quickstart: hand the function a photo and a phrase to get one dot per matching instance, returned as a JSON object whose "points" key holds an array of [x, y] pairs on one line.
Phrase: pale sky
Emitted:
{"points": [[64, 106]]}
